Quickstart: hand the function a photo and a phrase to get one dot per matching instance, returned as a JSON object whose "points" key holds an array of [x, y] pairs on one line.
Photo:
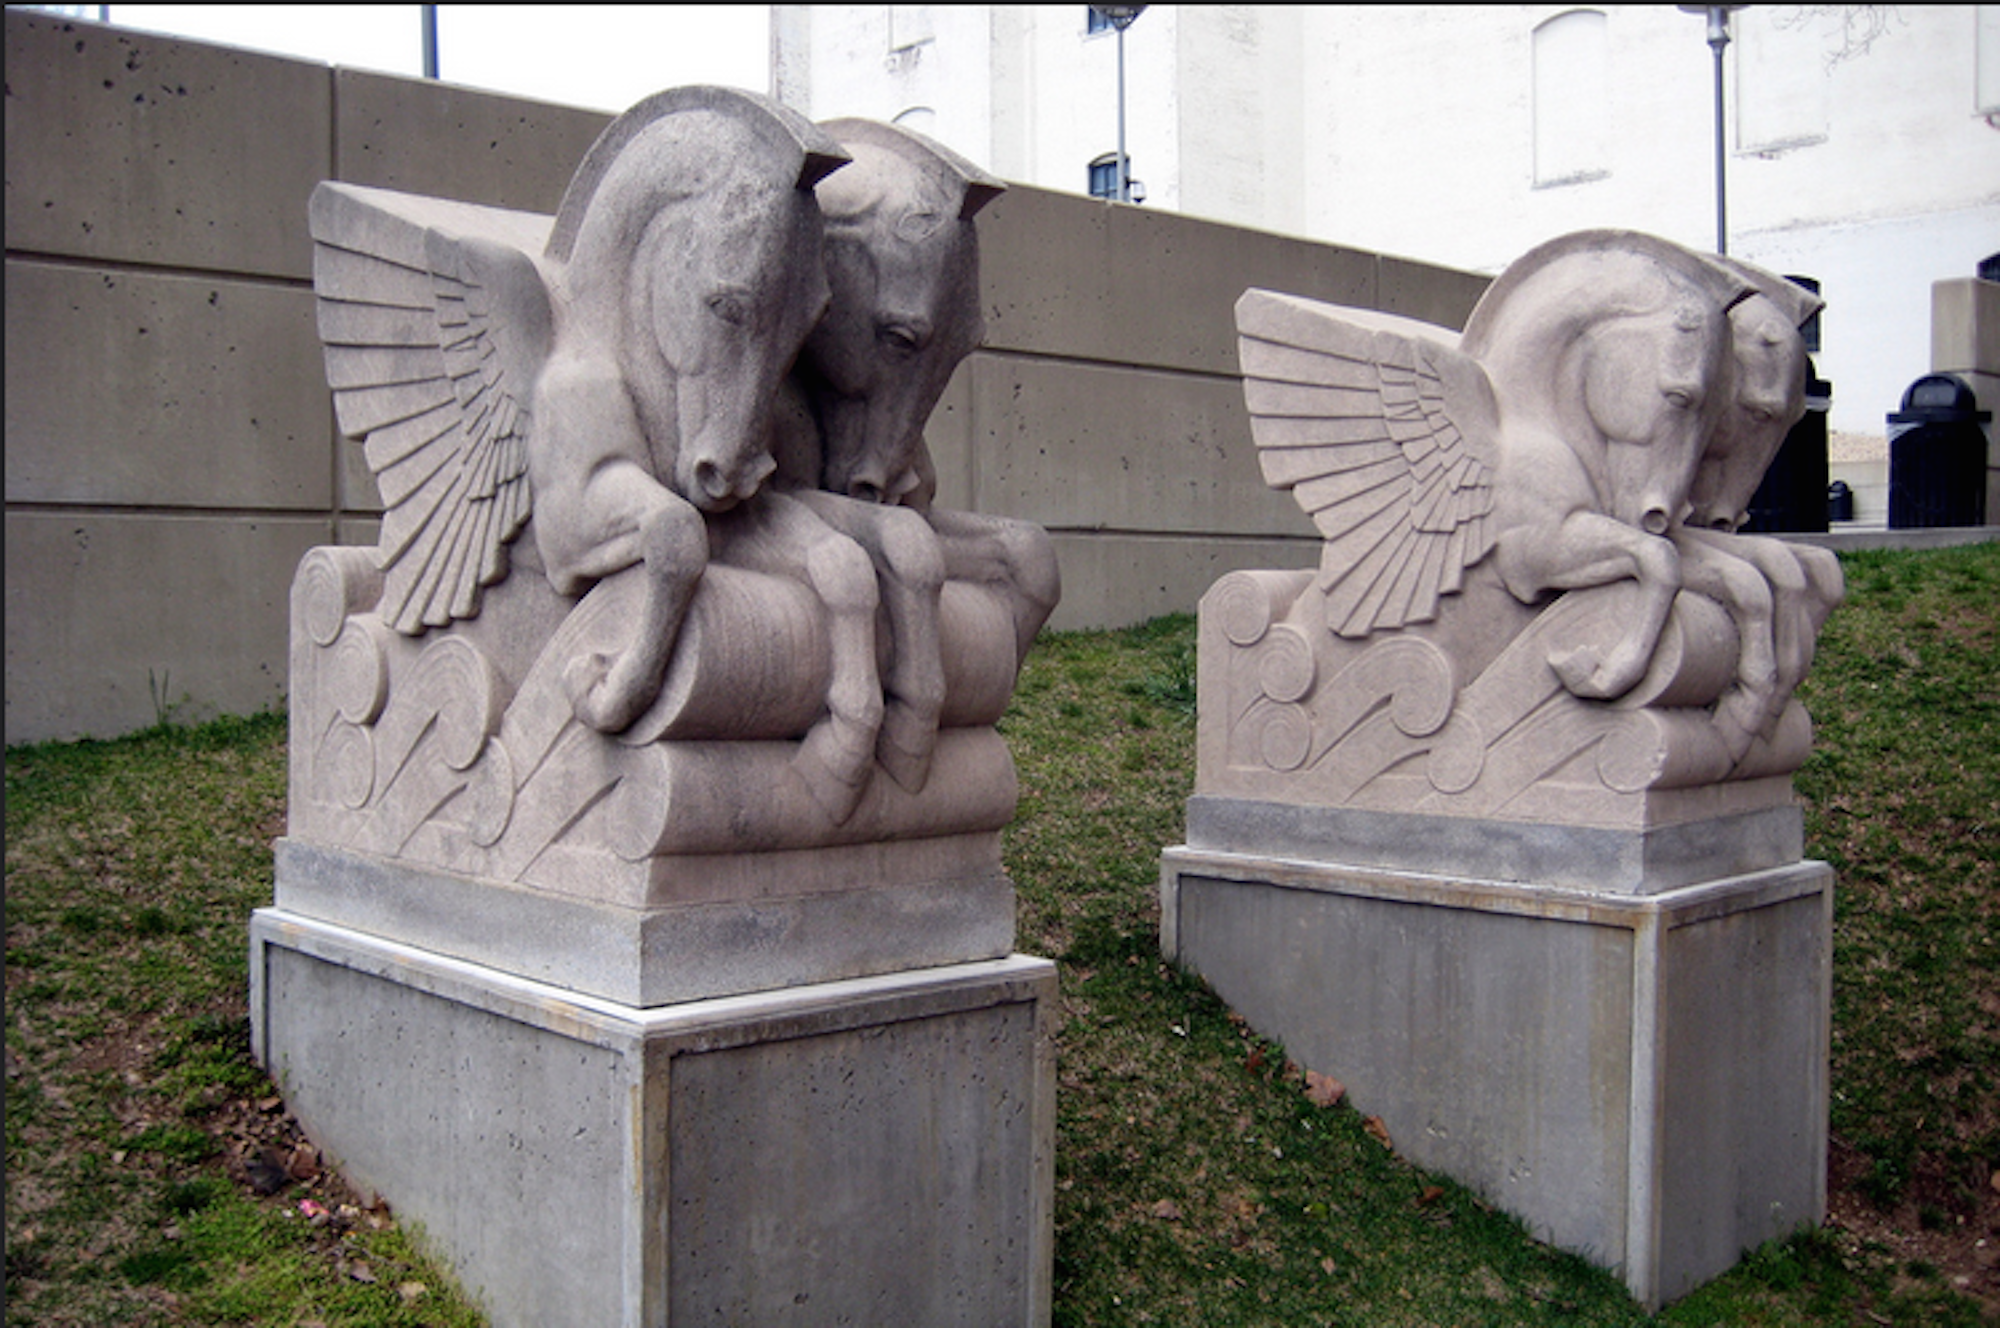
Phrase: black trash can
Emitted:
{"points": [[1792, 495], [1937, 456]]}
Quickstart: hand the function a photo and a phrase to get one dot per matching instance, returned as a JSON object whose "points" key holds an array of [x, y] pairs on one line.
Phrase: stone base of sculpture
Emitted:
{"points": [[1639, 1075], [876, 1150], [764, 921]]}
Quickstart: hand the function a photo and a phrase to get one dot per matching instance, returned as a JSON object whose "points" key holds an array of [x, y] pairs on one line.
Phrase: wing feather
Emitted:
{"points": [[1385, 434], [436, 323]]}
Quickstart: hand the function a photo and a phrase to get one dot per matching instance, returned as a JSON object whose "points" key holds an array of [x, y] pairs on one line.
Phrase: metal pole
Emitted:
{"points": [[1124, 165], [430, 41], [1718, 37]]}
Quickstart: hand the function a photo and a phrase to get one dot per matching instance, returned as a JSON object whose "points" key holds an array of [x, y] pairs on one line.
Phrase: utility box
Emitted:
{"points": [[1937, 456]]}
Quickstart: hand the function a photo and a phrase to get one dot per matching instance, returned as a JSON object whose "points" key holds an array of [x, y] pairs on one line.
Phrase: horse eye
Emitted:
{"points": [[729, 309], [1678, 399], [897, 338]]}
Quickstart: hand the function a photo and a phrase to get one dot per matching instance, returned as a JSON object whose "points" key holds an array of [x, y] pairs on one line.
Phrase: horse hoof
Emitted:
{"points": [[1736, 720], [905, 747], [1577, 668], [835, 784], [594, 701]]}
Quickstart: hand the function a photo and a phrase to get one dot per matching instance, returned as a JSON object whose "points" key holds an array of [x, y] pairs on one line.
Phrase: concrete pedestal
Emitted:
{"points": [[1640, 1077], [874, 1150]]}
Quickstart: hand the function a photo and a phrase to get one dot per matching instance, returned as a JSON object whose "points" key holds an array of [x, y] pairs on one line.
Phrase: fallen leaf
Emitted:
{"points": [[1995, 1182], [1327, 1265], [1167, 1210], [1430, 1195], [1255, 1061], [1379, 1131], [412, 1292], [267, 1172], [304, 1162], [360, 1271], [1323, 1090]]}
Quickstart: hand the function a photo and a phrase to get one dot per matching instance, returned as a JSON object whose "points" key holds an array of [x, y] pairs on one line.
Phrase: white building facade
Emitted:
{"points": [[1862, 143]]}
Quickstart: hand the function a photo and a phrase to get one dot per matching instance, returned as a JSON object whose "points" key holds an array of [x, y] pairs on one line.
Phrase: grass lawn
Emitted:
{"points": [[153, 1178]]}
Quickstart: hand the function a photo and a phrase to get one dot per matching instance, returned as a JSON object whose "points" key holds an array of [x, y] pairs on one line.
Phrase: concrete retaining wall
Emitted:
{"points": [[170, 448]]}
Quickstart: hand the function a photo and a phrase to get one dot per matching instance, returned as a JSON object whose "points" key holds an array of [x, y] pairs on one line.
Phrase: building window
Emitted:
{"points": [[1095, 22], [1571, 103], [910, 25], [1104, 176], [1986, 59]]}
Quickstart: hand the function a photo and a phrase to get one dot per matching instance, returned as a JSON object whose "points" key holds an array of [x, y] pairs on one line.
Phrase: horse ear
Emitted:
{"points": [[949, 170], [820, 163], [978, 193]]}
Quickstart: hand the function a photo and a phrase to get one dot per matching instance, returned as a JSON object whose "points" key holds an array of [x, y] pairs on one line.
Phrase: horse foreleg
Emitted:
{"points": [[910, 568], [608, 693], [1016, 557], [1589, 549], [783, 537], [1719, 567]]}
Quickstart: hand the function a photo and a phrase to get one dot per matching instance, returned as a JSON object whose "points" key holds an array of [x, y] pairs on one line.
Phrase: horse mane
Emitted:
{"points": [[966, 187], [1500, 305], [1794, 301], [807, 152]]}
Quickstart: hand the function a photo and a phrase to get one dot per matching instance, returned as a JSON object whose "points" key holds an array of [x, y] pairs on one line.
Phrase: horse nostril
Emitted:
{"points": [[709, 481], [1654, 522], [865, 491], [1727, 525]]}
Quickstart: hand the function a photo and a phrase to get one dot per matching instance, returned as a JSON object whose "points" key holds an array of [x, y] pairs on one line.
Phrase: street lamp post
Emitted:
{"points": [[1718, 38], [430, 17], [1120, 17]]}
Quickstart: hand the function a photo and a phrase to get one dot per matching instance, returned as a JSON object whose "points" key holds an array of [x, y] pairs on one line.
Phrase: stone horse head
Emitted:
{"points": [[902, 258], [1613, 346], [1609, 357], [688, 241], [1769, 367]]}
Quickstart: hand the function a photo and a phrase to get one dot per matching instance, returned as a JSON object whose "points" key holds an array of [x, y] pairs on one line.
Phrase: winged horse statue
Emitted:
{"points": [[1609, 389]]}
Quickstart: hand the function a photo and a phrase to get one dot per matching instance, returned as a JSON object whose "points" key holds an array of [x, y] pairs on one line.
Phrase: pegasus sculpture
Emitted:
{"points": [[1522, 516], [599, 643]]}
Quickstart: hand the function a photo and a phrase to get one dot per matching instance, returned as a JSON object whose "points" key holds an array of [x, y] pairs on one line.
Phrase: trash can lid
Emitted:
{"points": [[1939, 399]]}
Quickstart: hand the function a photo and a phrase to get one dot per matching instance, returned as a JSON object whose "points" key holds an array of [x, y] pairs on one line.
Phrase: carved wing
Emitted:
{"points": [[436, 324], [1385, 434]]}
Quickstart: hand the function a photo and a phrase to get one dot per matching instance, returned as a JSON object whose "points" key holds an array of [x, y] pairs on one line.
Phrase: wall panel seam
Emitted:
{"points": [[133, 267], [192, 512]]}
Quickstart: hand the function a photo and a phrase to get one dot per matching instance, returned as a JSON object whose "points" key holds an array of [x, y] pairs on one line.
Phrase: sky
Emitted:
{"points": [[604, 57]]}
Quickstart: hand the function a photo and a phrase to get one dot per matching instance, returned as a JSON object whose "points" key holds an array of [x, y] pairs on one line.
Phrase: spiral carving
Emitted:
{"points": [[1286, 670], [355, 671], [331, 584]]}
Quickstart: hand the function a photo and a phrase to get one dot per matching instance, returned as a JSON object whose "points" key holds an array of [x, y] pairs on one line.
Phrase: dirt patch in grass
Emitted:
{"points": [[1944, 1223]]}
